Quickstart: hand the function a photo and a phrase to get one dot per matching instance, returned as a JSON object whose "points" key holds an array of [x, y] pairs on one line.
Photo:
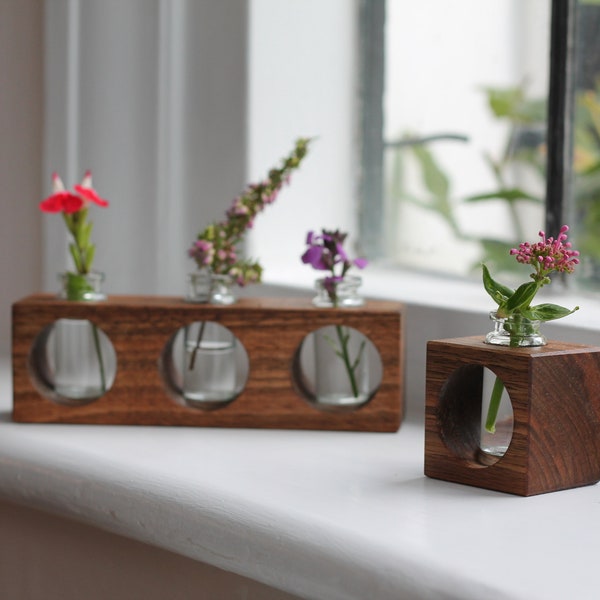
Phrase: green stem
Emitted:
{"points": [[492, 414], [79, 249], [516, 330], [99, 354], [197, 347], [343, 339]]}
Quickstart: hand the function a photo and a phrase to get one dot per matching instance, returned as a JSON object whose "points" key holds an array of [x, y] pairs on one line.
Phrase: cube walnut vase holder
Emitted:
{"points": [[143, 330], [555, 395]]}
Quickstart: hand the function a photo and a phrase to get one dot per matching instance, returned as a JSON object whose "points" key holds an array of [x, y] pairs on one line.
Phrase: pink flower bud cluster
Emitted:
{"points": [[202, 252], [215, 247], [548, 255]]}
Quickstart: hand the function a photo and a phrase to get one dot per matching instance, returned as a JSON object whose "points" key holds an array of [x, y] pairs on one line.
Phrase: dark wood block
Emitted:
{"points": [[271, 331], [555, 395]]}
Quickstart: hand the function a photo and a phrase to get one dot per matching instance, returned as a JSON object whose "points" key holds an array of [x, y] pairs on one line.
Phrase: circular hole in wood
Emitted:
{"points": [[72, 362], [337, 368], [469, 427], [204, 365]]}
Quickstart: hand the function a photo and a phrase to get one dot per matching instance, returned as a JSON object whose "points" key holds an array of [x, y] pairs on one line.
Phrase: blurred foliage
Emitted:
{"points": [[586, 180], [524, 148]]}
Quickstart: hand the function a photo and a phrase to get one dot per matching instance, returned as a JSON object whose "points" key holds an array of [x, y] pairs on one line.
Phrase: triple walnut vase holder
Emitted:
{"points": [[271, 337]]}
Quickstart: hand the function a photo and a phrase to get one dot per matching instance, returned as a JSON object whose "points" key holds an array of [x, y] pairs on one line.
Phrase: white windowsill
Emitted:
{"points": [[325, 515]]}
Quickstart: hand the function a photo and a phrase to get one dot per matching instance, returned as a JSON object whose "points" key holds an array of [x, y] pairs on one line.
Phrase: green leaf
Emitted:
{"points": [[510, 195], [511, 103], [503, 101], [89, 257], [547, 312], [499, 293], [496, 253], [86, 232], [76, 257], [434, 178], [522, 297]]}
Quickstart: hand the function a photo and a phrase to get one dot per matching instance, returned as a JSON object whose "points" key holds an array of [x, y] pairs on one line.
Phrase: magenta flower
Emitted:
{"points": [[548, 255]]}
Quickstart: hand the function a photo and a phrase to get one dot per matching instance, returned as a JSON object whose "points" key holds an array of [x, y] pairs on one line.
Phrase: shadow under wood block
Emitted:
{"points": [[168, 362], [555, 395]]}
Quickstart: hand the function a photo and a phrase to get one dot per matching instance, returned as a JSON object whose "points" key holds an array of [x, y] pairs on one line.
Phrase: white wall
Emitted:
{"points": [[302, 83], [21, 84], [152, 97]]}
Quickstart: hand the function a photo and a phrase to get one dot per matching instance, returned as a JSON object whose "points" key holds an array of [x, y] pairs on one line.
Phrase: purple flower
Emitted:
{"points": [[314, 257], [326, 252]]}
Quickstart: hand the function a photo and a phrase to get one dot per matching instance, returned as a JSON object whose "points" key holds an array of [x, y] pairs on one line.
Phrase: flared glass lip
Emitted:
{"points": [[525, 332], [347, 281], [94, 280], [494, 317], [347, 293], [206, 287]]}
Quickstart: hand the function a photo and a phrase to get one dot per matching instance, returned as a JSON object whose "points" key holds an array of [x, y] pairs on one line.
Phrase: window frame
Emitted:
{"points": [[560, 106]]}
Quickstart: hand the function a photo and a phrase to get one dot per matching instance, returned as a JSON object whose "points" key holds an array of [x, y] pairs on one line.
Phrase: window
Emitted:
{"points": [[482, 126]]}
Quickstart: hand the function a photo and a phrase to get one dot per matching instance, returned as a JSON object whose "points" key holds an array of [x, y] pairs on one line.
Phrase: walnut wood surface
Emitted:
{"points": [[555, 395], [270, 329]]}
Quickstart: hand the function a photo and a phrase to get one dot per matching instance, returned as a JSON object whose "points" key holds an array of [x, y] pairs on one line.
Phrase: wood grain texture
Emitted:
{"points": [[555, 395], [270, 329]]}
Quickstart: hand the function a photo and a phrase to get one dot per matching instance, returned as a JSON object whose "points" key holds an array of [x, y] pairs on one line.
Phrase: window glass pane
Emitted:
{"points": [[466, 87], [584, 213]]}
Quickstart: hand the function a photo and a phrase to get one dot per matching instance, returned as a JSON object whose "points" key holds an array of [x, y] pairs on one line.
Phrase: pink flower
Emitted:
{"points": [[202, 252], [228, 234], [548, 255]]}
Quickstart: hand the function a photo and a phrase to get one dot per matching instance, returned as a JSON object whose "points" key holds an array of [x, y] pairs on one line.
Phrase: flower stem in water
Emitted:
{"points": [[345, 356], [99, 354], [197, 347], [492, 414]]}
